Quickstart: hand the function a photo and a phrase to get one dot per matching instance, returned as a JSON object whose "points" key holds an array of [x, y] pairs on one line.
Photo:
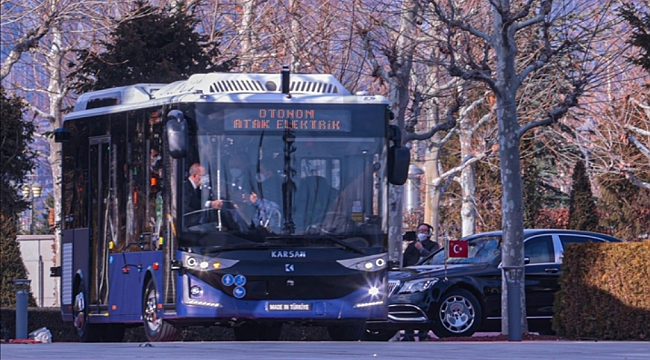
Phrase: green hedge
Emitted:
{"points": [[604, 292], [65, 332]]}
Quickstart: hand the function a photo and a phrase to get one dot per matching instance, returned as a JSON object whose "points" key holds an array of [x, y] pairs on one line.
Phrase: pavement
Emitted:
{"points": [[498, 350]]}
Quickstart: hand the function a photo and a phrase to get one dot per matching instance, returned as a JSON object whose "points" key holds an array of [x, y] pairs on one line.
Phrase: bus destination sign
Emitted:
{"points": [[303, 119]]}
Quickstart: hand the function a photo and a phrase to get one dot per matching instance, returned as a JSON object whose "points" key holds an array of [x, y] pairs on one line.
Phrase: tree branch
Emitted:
{"points": [[452, 23], [450, 123], [638, 130], [469, 160], [27, 42], [558, 112], [642, 148], [636, 181]]}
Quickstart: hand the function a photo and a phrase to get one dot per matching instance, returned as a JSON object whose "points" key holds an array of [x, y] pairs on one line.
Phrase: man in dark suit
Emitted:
{"points": [[192, 203], [422, 247], [417, 249]]}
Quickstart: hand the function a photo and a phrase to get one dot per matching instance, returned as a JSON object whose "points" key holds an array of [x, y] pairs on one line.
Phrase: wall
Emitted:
{"points": [[39, 254]]}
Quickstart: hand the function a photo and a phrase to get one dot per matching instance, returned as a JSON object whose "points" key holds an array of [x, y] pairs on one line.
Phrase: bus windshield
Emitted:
{"points": [[313, 182]]}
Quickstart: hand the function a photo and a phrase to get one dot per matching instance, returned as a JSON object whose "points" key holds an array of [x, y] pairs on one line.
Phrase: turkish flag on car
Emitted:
{"points": [[458, 249]]}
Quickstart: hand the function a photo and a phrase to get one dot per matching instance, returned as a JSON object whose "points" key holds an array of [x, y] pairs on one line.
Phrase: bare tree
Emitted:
{"points": [[555, 34], [615, 138], [53, 29]]}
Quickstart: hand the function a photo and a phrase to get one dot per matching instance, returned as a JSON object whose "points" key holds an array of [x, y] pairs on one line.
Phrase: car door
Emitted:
{"points": [[542, 272]]}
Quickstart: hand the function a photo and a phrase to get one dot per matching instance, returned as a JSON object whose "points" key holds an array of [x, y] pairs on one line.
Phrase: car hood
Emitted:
{"points": [[434, 271]]}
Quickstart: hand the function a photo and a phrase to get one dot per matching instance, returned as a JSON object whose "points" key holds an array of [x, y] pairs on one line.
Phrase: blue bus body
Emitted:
{"points": [[309, 248]]}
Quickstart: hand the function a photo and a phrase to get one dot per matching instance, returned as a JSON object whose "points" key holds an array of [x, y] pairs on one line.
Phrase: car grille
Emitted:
{"points": [[406, 313]]}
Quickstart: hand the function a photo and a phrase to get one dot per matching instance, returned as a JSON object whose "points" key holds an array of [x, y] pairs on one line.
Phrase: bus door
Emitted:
{"points": [[100, 220]]}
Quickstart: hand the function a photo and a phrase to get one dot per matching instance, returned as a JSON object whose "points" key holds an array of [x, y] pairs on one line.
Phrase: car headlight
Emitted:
{"points": [[415, 286]]}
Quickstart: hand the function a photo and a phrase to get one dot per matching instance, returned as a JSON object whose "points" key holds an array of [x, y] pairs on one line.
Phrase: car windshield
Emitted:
{"points": [[482, 250]]}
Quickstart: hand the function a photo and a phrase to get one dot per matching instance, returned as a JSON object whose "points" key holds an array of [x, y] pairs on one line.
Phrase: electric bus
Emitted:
{"points": [[170, 220]]}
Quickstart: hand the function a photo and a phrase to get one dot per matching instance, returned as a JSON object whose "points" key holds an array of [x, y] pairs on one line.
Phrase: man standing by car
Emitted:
{"points": [[420, 248]]}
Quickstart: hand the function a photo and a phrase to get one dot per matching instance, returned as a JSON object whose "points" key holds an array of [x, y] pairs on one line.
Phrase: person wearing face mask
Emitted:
{"points": [[417, 249], [192, 195], [248, 194], [238, 177], [420, 248], [269, 182]]}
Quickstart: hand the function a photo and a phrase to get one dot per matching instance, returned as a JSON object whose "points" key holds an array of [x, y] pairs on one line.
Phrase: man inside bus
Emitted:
{"points": [[269, 180], [192, 195], [195, 207], [248, 198]]}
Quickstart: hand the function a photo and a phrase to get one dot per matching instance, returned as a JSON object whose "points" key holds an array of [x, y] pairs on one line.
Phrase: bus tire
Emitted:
{"points": [[86, 331], [347, 332], [155, 327]]}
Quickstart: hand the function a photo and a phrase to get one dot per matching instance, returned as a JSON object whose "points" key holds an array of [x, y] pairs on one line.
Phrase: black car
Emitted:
{"points": [[464, 296]]}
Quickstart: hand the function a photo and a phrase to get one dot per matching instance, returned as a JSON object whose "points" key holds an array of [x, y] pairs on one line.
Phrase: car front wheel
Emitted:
{"points": [[457, 314]]}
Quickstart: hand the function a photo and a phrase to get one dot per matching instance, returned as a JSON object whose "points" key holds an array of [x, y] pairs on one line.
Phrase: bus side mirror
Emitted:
{"points": [[399, 158], [177, 134], [62, 135]]}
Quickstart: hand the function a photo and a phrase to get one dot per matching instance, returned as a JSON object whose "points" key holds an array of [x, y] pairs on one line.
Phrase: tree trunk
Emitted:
{"points": [[467, 180], [56, 96], [432, 193], [512, 253]]}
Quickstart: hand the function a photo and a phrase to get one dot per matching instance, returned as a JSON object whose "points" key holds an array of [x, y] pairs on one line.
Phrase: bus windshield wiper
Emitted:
{"points": [[331, 238], [238, 246]]}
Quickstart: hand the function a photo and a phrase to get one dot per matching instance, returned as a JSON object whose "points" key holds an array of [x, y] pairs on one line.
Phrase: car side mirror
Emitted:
{"points": [[526, 260]]}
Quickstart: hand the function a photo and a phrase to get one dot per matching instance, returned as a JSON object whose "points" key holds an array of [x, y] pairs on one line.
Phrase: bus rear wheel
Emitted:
{"points": [[155, 327], [86, 331]]}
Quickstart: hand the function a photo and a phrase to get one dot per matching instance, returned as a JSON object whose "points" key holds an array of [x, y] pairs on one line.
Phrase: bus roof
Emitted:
{"points": [[219, 83], [219, 87]]}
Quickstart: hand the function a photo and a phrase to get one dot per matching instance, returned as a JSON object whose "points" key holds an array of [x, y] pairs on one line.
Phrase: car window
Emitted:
{"points": [[568, 239], [539, 250]]}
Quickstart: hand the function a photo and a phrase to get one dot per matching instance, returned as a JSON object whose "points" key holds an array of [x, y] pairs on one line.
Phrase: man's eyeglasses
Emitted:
{"points": [[423, 231]]}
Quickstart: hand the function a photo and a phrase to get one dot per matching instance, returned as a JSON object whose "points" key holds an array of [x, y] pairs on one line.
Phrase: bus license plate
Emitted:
{"points": [[288, 307]]}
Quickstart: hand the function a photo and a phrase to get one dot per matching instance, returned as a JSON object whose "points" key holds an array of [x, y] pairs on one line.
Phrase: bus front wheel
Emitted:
{"points": [[155, 327]]}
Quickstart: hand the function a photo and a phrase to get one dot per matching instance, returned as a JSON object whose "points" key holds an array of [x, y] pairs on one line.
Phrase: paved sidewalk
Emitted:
{"points": [[543, 350]]}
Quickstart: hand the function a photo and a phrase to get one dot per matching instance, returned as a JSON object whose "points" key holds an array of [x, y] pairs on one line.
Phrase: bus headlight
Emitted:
{"points": [[366, 263], [196, 291], [206, 263], [191, 262]]}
